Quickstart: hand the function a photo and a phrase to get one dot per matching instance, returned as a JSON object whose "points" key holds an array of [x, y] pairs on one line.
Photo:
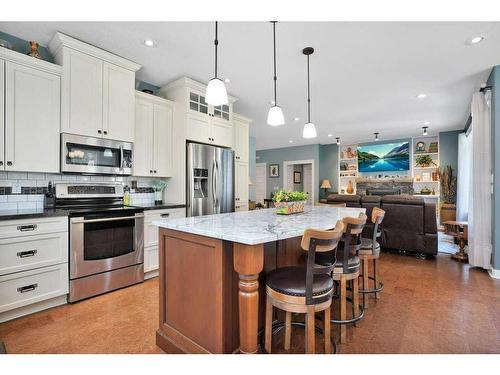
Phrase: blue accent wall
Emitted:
{"points": [[329, 167], [448, 153], [494, 81], [251, 167], [280, 155]]}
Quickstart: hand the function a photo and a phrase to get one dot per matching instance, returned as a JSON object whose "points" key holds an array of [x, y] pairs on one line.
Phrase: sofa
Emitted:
{"points": [[409, 224]]}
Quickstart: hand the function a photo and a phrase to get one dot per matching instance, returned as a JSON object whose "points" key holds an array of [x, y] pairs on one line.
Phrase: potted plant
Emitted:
{"points": [[424, 161], [448, 194], [289, 202], [158, 187]]}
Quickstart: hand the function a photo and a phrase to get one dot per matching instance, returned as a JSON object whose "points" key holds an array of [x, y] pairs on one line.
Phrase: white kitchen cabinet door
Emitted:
{"points": [[222, 133], [198, 128], [143, 145], [240, 141], [162, 140], [2, 114], [32, 119], [118, 103], [81, 94], [241, 182]]}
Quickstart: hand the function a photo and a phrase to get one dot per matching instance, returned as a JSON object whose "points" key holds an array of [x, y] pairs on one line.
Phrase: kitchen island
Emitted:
{"points": [[211, 270]]}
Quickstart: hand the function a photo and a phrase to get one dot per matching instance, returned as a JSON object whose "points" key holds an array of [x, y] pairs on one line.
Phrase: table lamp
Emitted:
{"points": [[325, 184]]}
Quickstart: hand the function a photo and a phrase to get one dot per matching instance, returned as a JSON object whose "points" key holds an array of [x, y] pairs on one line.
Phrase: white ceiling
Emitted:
{"points": [[364, 76]]}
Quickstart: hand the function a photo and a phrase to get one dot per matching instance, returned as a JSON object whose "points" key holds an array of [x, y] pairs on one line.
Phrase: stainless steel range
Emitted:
{"points": [[106, 238]]}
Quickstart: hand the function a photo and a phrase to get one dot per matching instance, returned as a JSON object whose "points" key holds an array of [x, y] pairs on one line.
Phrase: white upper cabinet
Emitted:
{"points": [[241, 137], [222, 132], [81, 94], [29, 113], [118, 102], [97, 90], [153, 136]]}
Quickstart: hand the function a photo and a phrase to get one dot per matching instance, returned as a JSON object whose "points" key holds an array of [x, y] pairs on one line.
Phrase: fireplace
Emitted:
{"points": [[384, 186], [383, 191]]}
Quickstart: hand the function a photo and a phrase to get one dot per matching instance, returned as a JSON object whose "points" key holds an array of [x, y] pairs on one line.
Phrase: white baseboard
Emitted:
{"points": [[151, 274], [494, 273], [33, 308]]}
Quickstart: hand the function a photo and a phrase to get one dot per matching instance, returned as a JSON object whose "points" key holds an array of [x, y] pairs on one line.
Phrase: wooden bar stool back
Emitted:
{"points": [[304, 290], [370, 251]]}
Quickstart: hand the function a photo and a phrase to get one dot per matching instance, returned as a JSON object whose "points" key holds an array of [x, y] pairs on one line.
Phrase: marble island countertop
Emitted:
{"points": [[260, 226]]}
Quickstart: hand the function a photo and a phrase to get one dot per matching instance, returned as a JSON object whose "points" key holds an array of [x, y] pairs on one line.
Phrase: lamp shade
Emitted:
{"points": [[309, 131], [325, 184], [275, 116], [216, 93]]}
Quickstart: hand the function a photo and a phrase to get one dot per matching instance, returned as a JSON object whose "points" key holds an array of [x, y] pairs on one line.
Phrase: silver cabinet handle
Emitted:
{"points": [[27, 288], [26, 228], [26, 254]]}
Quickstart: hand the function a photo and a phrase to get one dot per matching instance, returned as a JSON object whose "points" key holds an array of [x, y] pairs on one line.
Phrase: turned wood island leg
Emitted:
{"points": [[248, 262]]}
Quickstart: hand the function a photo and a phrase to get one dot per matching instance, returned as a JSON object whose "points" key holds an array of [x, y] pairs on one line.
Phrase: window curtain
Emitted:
{"points": [[479, 217], [463, 175]]}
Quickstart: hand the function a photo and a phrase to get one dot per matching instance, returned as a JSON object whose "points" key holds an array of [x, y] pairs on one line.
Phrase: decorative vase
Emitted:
{"points": [[34, 50], [158, 197], [350, 188], [448, 212], [288, 208]]}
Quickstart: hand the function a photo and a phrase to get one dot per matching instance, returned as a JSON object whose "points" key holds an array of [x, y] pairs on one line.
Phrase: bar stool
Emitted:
{"points": [[305, 290], [346, 269], [370, 250]]}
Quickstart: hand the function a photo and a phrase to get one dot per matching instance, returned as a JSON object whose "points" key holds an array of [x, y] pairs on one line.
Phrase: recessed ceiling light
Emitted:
{"points": [[150, 43], [290, 141], [330, 135], [227, 80], [427, 123], [421, 96], [474, 40], [296, 118]]}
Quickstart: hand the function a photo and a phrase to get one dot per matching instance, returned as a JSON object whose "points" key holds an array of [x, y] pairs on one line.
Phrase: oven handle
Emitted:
{"points": [[79, 220]]}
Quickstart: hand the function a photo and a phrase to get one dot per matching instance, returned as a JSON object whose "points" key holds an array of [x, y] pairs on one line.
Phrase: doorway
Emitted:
{"points": [[298, 175]]}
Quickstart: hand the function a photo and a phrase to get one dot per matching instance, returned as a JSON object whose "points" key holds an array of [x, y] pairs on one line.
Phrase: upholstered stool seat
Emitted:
{"points": [[327, 259], [292, 282], [367, 246]]}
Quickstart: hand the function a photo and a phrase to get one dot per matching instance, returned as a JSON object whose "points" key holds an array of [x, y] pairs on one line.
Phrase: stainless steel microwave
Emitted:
{"points": [[89, 155]]}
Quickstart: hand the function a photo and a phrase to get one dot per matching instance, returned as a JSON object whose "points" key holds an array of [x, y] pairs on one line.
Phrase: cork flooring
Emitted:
{"points": [[427, 306]]}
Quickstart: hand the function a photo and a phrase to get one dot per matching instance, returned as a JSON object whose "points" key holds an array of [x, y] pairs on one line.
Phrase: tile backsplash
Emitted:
{"points": [[25, 191]]}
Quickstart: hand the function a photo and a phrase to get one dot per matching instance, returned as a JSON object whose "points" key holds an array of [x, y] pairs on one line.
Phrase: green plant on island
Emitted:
{"points": [[448, 185], [289, 196], [424, 161]]}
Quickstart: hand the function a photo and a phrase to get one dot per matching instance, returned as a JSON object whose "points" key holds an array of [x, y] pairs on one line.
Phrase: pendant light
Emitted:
{"points": [[216, 93], [309, 128], [424, 132], [275, 115]]}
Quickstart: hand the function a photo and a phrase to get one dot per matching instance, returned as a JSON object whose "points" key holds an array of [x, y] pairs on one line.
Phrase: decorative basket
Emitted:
{"points": [[289, 208]]}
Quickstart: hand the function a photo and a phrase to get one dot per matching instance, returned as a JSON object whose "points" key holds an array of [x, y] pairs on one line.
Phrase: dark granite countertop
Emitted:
{"points": [[30, 214], [164, 206]]}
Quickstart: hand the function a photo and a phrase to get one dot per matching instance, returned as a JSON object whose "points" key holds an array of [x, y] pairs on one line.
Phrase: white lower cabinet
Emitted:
{"points": [[151, 258], [241, 186], [33, 265]]}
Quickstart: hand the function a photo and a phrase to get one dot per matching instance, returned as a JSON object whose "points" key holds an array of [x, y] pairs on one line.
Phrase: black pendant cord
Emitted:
{"points": [[274, 47], [308, 93], [216, 43]]}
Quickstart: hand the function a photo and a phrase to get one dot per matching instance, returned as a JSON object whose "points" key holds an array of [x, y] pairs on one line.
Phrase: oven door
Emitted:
{"points": [[100, 244], [80, 154]]}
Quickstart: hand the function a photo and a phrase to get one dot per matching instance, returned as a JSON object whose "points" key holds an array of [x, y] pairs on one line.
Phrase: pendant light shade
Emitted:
{"points": [[309, 131], [216, 93], [275, 115], [309, 128]]}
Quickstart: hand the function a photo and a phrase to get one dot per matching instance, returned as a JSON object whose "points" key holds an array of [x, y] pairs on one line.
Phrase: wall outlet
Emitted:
{"points": [[16, 188]]}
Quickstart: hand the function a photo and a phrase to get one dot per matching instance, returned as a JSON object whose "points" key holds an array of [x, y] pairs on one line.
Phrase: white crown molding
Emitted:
{"points": [[62, 40], [192, 84], [152, 98], [19, 58], [494, 273], [241, 118]]}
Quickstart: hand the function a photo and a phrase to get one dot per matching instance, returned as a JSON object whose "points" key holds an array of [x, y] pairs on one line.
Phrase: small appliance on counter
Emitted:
{"points": [[106, 238]]}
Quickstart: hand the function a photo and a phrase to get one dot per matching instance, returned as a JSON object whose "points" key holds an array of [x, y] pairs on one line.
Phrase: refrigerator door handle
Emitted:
{"points": [[214, 199], [216, 193]]}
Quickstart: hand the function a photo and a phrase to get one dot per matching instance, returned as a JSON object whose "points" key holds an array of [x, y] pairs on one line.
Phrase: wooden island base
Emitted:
{"points": [[212, 294]]}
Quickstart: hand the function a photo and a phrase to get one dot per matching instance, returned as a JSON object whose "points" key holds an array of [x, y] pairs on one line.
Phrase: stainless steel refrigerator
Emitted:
{"points": [[210, 180]]}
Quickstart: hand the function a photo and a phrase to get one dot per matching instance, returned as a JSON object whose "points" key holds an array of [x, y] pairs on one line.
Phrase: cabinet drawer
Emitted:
{"points": [[29, 227], [151, 230], [29, 252], [24, 288]]}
